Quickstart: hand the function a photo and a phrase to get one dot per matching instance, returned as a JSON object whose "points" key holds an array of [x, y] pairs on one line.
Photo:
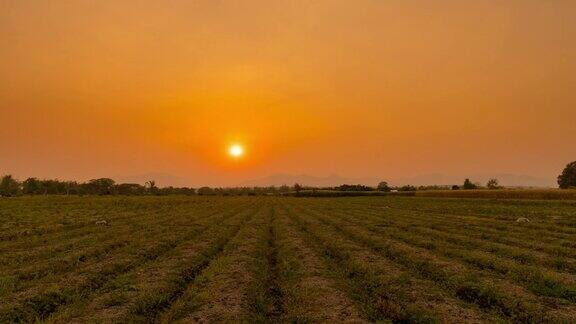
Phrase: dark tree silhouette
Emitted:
{"points": [[383, 186], [469, 185], [493, 184], [102, 186], [32, 186], [9, 186], [568, 177], [407, 188], [297, 188]]}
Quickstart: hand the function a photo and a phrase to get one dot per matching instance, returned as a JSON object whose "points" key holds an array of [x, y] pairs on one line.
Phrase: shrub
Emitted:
{"points": [[206, 191], [358, 187]]}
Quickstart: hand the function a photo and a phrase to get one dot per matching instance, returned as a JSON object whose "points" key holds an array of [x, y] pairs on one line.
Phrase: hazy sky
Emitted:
{"points": [[380, 88]]}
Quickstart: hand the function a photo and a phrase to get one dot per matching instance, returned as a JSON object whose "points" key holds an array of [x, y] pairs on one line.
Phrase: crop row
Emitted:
{"points": [[285, 259]]}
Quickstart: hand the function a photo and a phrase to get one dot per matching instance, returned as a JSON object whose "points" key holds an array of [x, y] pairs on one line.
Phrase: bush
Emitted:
{"points": [[358, 187], [206, 191]]}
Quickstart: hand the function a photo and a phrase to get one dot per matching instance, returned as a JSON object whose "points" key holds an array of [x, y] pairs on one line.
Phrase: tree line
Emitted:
{"points": [[10, 186]]}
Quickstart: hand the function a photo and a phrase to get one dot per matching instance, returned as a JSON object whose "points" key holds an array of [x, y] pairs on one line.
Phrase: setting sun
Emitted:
{"points": [[236, 150]]}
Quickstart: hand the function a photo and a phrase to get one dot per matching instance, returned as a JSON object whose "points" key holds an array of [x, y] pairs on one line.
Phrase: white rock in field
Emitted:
{"points": [[102, 223], [522, 220]]}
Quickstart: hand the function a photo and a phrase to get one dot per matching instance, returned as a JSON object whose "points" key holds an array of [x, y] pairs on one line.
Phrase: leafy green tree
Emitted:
{"points": [[71, 188], [102, 186], [54, 187], [469, 185], [383, 186], [568, 177], [493, 184], [32, 186], [9, 186]]}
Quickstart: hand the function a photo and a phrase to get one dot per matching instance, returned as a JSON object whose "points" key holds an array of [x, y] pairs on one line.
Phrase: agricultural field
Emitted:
{"points": [[286, 259]]}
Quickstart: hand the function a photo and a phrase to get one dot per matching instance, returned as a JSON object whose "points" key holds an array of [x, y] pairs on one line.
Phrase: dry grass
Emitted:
{"points": [[285, 259], [543, 194]]}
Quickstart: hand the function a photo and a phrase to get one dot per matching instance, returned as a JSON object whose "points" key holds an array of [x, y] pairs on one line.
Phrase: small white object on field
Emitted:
{"points": [[522, 220], [102, 223]]}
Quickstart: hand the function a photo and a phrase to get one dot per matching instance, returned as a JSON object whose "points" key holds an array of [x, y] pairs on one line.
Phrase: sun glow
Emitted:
{"points": [[236, 150]]}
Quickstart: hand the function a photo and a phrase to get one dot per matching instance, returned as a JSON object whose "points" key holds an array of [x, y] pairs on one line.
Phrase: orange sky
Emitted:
{"points": [[372, 88]]}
